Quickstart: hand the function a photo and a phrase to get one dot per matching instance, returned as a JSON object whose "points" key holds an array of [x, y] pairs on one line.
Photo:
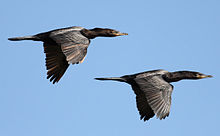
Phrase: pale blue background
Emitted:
{"points": [[163, 34]]}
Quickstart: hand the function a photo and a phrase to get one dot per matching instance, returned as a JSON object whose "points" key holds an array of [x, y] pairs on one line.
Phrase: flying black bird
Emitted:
{"points": [[153, 90], [66, 46]]}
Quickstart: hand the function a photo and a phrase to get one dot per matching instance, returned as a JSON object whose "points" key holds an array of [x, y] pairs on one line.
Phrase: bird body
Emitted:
{"points": [[66, 46], [153, 90]]}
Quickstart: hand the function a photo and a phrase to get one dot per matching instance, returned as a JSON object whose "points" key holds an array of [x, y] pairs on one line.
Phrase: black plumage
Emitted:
{"points": [[153, 90], [66, 46]]}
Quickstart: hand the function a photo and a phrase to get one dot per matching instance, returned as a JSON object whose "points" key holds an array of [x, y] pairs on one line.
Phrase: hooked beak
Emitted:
{"points": [[119, 34], [204, 76]]}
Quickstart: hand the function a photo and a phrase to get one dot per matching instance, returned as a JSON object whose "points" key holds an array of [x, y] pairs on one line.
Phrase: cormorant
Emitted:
{"points": [[66, 46], [153, 90]]}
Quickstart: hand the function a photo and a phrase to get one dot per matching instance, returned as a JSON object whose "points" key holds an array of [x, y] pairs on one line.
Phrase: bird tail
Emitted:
{"points": [[32, 37], [112, 78]]}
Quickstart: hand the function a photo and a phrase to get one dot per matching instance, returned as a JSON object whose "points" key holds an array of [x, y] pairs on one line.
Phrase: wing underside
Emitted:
{"points": [[156, 94]]}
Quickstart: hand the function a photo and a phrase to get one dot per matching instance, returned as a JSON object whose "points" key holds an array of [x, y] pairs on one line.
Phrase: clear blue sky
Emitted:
{"points": [[171, 35]]}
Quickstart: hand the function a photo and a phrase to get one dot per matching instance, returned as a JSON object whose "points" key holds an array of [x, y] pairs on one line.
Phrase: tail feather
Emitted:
{"points": [[112, 78], [23, 38]]}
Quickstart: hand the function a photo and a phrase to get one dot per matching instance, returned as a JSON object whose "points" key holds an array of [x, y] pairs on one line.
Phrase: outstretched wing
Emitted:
{"points": [[144, 109], [56, 63], [74, 53], [73, 44], [63, 47], [157, 95]]}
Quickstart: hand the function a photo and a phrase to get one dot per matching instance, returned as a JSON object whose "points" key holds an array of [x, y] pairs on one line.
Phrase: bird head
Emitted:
{"points": [[106, 32], [200, 75], [193, 75]]}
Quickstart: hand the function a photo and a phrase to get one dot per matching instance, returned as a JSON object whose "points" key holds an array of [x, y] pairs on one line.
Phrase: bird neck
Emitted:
{"points": [[93, 33], [177, 76]]}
